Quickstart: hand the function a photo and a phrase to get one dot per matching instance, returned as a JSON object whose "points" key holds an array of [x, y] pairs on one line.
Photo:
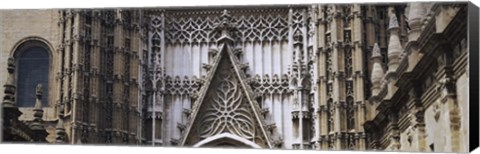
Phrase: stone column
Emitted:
{"points": [[338, 84], [134, 82], [156, 49], [59, 76], [63, 75], [66, 77], [313, 50], [359, 74], [322, 78], [95, 74], [300, 76]]}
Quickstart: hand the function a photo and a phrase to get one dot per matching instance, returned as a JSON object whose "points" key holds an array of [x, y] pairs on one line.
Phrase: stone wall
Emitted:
{"points": [[464, 100], [17, 26], [438, 126], [268, 62]]}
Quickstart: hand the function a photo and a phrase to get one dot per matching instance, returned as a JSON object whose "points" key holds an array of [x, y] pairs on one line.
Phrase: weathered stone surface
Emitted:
{"points": [[307, 68]]}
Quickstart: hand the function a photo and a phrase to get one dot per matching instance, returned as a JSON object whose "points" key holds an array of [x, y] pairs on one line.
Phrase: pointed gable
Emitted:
{"points": [[226, 105]]}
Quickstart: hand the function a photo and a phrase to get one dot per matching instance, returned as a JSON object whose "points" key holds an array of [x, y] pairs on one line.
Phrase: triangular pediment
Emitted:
{"points": [[226, 104]]}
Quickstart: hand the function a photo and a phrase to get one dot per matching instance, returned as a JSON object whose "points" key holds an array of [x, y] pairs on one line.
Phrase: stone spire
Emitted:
{"points": [[10, 88], [377, 70], [394, 45], [38, 111], [415, 16]]}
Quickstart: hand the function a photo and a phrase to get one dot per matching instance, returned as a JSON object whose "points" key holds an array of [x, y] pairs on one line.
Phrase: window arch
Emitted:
{"points": [[33, 67]]}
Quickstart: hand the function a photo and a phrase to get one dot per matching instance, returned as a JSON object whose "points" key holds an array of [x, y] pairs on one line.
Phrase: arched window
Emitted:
{"points": [[33, 63]]}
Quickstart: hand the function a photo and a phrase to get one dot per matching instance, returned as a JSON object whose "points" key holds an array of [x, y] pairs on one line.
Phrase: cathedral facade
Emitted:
{"points": [[322, 76]]}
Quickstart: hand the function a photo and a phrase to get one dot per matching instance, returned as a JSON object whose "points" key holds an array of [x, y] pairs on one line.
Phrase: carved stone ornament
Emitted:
{"points": [[393, 21], [196, 29], [226, 104], [227, 113]]}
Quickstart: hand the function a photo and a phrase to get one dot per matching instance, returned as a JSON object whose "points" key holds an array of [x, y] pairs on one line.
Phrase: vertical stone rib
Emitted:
{"points": [[322, 83], [339, 77], [65, 100], [134, 59], [60, 69], [75, 79], [95, 84], [313, 54], [118, 70], [358, 76], [67, 64], [86, 74]]}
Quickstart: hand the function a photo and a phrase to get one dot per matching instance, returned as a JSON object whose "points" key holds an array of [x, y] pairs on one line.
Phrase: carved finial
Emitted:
{"points": [[10, 88], [39, 91], [376, 51], [226, 16], [377, 74], [225, 26], [38, 111], [394, 45], [377, 70], [393, 21]]}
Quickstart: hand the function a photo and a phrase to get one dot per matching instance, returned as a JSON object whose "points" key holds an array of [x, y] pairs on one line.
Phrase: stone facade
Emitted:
{"points": [[323, 76]]}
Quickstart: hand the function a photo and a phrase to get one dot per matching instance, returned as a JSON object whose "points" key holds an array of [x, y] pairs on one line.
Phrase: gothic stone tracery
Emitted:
{"points": [[320, 76]]}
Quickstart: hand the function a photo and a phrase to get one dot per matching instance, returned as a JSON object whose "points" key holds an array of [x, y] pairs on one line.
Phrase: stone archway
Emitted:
{"points": [[226, 140], [33, 58]]}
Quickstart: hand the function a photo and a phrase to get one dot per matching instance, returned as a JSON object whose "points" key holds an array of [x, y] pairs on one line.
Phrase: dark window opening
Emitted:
{"points": [[33, 67]]}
